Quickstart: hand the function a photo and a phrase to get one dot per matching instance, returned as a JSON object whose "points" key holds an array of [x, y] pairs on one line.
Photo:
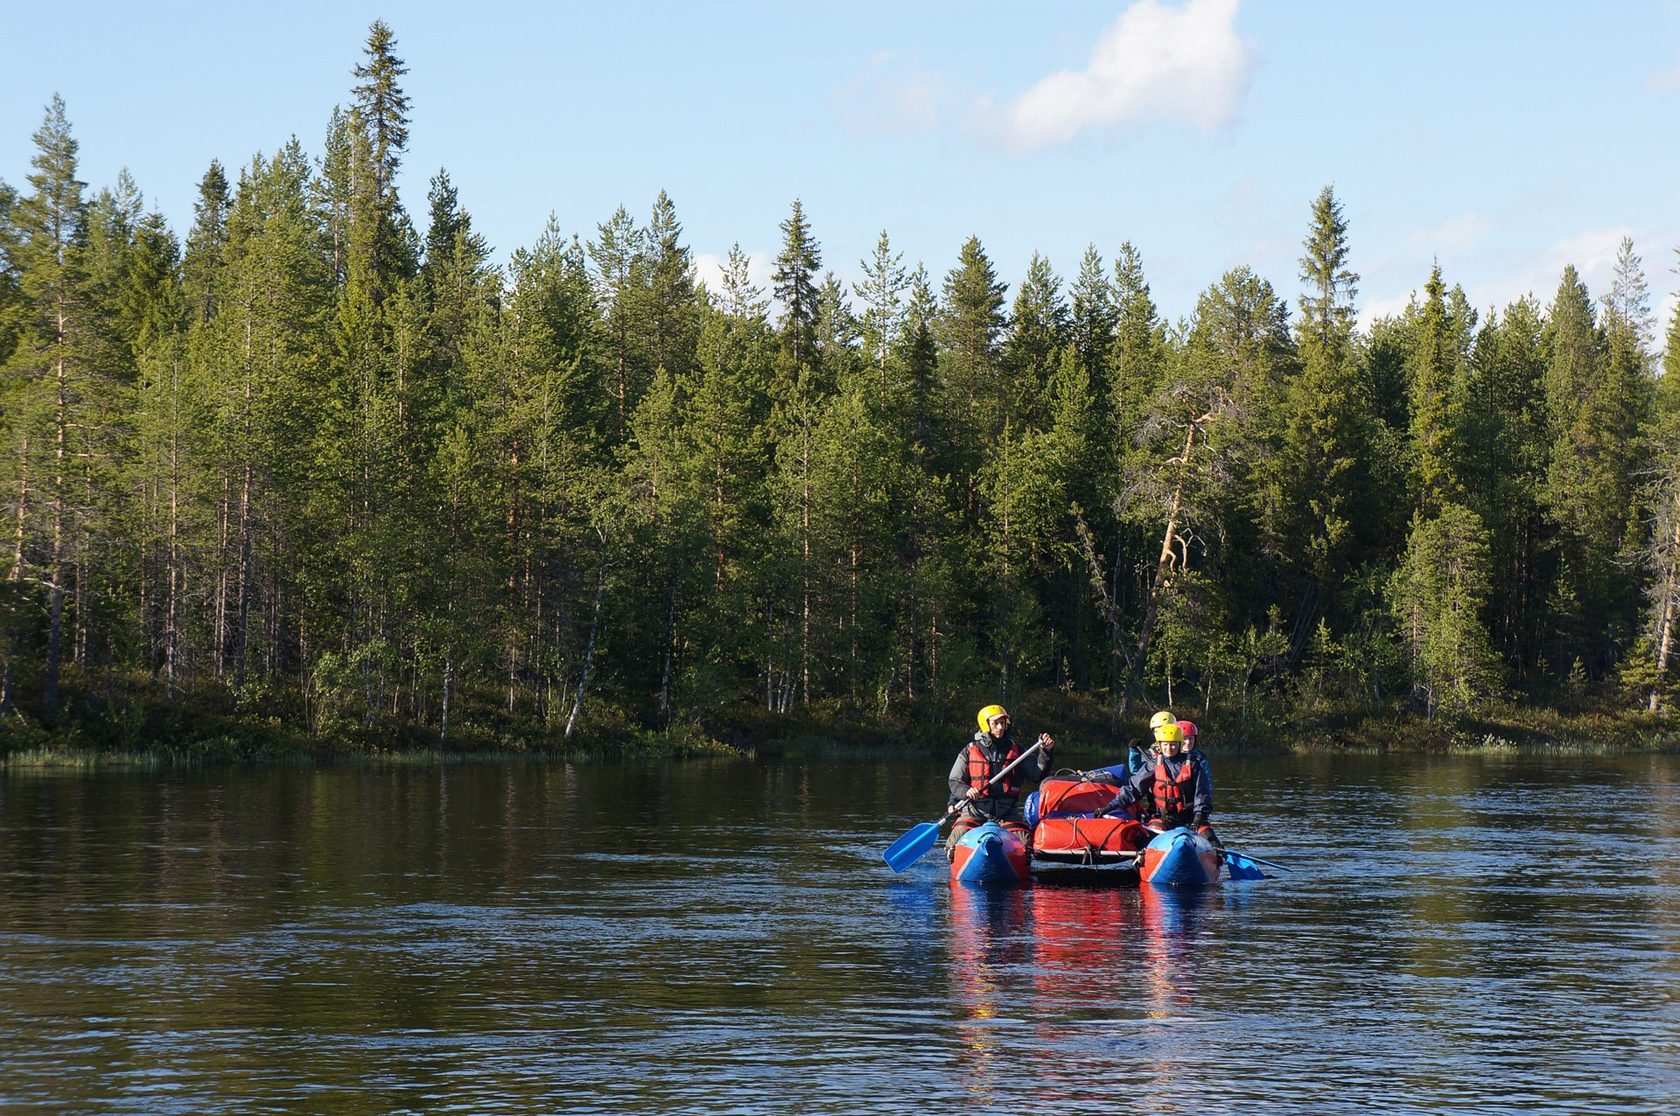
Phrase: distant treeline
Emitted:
{"points": [[314, 467]]}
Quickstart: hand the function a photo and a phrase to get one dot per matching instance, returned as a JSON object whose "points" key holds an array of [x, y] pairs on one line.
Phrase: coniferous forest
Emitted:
{"points": [[316, 468]]}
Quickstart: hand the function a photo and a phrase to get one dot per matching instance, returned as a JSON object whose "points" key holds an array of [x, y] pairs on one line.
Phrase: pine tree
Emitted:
{"points": [[47, 381], [1507, 448], [973, 396], [1438, 595], [1588, 487], [1431, 369], [620, 259], [207, 243], [1038, 329], [1316, 486], [673, 314], [379, 121], [1330, 287], [1092, 314], [795, 285], [383, 105], [882, 294]]}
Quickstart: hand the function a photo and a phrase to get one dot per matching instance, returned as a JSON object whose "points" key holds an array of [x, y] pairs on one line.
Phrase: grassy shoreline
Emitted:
{"points": [[175, 737]]}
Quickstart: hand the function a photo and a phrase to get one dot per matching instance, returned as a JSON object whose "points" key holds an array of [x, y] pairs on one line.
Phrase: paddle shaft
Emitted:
{"points": [[1016, 762], [909, 848], [1257, 860]]}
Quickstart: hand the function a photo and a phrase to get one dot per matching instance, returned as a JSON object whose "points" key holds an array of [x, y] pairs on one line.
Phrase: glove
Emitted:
{"points": [[1198, 821]]}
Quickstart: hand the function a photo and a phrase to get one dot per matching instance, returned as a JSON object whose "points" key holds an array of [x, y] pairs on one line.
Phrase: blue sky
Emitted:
{"points": [[1504, 139]]}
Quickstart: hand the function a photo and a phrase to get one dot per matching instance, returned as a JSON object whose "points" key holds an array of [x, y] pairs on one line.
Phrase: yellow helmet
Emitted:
{"points": [[1169, 733], [1160, 719], [985, 716]]}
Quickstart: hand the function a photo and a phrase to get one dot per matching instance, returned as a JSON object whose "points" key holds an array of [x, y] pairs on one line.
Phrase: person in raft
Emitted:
{"points": [[1175, 789], [1192, 750], [992, 750]]}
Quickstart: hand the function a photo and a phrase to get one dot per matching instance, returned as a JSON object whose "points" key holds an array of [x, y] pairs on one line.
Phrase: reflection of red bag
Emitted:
{"points": [[1066, 798], [1091, 839]]}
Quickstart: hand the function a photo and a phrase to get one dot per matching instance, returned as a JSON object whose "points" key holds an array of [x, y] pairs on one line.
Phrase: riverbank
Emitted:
{"points": [[160, 734]]}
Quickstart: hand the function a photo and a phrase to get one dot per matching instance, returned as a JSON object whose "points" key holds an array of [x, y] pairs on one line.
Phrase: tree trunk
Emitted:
{"points": [[1666, 621], [225, 525], [670, 646], [15, 575], [805, 571], [589, 649], [1163, 564], [55, 566]]}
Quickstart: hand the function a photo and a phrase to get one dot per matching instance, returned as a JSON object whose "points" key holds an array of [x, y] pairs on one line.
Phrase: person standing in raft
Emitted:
{"points": [[1176, 785], [992, 750]]}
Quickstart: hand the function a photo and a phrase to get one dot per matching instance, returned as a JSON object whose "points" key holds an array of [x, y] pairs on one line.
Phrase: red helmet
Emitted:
{"points": [[1189, 728]]}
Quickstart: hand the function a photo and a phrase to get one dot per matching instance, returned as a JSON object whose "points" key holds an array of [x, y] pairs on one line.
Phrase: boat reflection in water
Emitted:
{"points": [[991, 959]]}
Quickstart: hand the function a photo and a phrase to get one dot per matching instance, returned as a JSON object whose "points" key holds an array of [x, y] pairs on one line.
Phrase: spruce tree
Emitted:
{"points": [[974, 397], [1431, 370], [620, 258], [795, 285], [882, 295], [673, 314], [1092, 314], [1438, 595], [1587, 484], [1038, 327], [207, 243], [1315, 490]]}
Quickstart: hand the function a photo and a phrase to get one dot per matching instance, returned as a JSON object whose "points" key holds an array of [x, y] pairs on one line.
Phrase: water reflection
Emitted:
{"points": [[1466, 935]]}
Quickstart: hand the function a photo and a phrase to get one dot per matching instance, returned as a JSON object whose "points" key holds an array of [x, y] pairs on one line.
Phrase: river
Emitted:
{"points": [[1459, 934]]}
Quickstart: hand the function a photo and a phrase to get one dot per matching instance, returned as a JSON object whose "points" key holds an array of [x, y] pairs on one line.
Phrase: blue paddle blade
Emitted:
{"points": [[1243, 868], [909, 848]]}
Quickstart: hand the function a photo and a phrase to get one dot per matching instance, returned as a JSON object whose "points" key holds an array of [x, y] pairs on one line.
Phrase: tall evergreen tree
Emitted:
{"points": [[620, 258], [1038, 327], [882, 294], [795, 284], [1316, 485], [207, 243], [1438, 595], [1329, 286], [673, 314], [1588, 486], [48, 380], [1092, 313], [974, 396], [1507, 448], [1431, 369]]}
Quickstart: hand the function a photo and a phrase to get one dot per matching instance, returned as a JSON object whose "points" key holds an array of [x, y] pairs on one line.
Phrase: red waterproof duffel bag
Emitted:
{"points": [[1089, 840], [1070, 798]]}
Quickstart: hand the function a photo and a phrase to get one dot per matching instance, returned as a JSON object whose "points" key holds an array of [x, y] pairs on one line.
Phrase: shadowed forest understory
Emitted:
{"points": [[317, 471]]}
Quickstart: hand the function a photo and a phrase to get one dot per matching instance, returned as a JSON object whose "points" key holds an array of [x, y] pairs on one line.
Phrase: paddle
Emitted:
{"points": [[1231, 856], [909, 848]]}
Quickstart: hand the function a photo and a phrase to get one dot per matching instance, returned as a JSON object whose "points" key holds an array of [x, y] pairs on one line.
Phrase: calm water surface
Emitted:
{"points": [[1470, 935]]}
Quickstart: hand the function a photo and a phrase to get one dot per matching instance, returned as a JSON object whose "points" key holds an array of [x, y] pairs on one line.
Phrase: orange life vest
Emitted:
{"points": [[1170, 799], [980, 772]]}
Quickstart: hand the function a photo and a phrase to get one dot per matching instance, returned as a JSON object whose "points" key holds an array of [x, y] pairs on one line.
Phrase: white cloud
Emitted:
{"points": [[1592, 252], [1154, 64], [1377, 308], [1456, 234], [891, 96], [708, 269]]}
